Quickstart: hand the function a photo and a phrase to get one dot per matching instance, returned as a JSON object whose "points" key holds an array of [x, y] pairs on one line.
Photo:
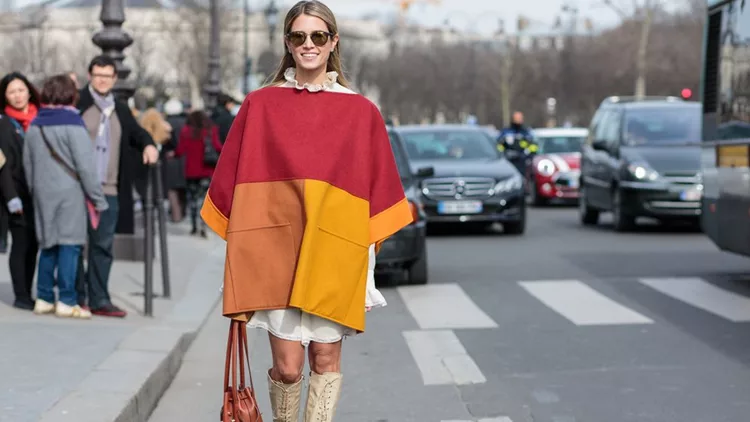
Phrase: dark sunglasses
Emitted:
{"points": [[319, 38]]}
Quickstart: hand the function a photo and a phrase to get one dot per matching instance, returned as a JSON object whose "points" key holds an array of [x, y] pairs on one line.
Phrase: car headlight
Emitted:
{"points": [[642, 172], [510, 184], [545, 167]]}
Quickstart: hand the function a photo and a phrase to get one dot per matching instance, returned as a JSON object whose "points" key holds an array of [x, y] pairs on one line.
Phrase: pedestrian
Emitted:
{"points": [[174, 168], [119, 142], [19, 104], [198, 134], [58, 160], [305, 191], [223, 114]]}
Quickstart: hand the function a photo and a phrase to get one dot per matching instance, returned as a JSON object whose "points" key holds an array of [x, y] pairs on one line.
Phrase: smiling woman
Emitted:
{"points": [[311, 45], [305, 192]]}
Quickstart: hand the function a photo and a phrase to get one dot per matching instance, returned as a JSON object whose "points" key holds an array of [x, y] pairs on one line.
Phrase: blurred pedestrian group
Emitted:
{"points": [[73, 172]]}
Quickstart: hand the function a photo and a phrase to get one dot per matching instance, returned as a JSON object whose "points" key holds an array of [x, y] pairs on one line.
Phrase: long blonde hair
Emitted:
{"points": [[318, 10]]}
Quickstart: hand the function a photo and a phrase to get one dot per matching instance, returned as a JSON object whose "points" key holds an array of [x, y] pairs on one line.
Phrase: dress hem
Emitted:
{"points": [[305, 341]]}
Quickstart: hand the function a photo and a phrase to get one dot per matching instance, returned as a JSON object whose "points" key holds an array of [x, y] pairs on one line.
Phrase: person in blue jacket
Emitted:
{"points": [[517, 142]]}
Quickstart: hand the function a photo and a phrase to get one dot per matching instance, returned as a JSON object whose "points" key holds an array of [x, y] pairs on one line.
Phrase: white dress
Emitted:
{"points": [[292, 323]]}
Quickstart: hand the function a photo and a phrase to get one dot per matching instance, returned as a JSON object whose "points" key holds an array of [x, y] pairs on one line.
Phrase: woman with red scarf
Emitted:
{"points": [[19, 104]]}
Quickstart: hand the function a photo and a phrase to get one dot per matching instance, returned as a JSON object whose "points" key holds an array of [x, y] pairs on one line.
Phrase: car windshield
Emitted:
{"points": [[653, 125], [449, 145], [401, 161], [559, 144]]}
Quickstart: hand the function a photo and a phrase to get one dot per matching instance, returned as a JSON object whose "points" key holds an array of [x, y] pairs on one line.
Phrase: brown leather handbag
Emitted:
{"points": [[239, 403]]}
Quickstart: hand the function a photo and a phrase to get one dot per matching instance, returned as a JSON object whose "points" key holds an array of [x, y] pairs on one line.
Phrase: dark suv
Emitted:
{"points": [[634, 166]]}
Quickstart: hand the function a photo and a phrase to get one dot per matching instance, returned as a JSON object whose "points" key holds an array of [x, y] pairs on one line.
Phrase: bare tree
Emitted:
{"points": [[643, 13]]}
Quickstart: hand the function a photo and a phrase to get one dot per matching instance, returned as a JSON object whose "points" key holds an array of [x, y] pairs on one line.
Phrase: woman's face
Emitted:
{"points": [[17, 95], [310, 43]]}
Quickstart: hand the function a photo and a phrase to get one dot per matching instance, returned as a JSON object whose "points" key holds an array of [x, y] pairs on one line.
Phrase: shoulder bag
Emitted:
{"points": [[210, 156], [239, 404], [94, 216]]}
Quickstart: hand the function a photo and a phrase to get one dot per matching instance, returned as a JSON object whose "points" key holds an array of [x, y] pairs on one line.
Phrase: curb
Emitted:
{"points": [[127, 385]]}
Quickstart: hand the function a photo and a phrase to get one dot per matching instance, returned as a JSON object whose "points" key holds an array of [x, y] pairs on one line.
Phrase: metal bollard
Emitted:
{"points": [[148, 248], [162, 213]]}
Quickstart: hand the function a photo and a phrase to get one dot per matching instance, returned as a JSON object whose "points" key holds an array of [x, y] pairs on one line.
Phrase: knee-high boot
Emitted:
{"points": [[322, 396], [285, 400]]}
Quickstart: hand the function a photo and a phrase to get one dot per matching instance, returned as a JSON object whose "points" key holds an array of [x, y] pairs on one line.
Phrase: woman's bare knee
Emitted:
{"points": [[288, 360], [325, 357]]}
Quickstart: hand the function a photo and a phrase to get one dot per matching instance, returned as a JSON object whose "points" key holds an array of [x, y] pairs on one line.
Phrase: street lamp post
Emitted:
{"points": [[113, 40], [246, 50], [272, 14], [213, 84]]}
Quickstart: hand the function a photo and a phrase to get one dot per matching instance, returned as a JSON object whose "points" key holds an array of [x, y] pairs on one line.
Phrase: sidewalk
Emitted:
{"points": [[108, 369]]}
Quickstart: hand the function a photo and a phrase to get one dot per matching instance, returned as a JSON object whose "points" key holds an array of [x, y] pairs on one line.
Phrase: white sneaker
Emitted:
{"points": [[65, 311], [43, 307]]}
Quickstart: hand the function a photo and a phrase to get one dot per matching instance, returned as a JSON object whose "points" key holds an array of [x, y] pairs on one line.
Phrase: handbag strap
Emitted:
{"points": [[68, 169], [235, 389], [236, 345], [247, 355], [228, 360]]}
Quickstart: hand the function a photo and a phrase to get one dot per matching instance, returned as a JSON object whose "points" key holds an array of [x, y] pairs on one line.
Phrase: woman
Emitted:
{"points": [[305, 191], [197, 132], [19, 105], [58, 159]]}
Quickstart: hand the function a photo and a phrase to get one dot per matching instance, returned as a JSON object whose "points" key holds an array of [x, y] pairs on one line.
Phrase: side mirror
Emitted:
{"points": [[600, 145], [425, 172]]}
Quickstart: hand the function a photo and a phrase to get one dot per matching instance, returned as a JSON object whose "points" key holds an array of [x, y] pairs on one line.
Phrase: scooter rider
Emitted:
{"points": [[517, 142]]}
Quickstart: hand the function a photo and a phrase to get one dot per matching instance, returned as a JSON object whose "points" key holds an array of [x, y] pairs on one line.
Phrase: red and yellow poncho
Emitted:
{"points": [[306, 182]]}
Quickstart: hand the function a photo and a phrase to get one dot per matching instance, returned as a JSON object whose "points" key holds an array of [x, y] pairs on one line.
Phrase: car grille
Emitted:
{"points": [[458, 187], [682, 178]]}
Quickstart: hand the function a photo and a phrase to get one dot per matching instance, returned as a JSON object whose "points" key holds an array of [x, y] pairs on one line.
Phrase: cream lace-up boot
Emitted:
{"points": [[285, 399], [322, 396]]}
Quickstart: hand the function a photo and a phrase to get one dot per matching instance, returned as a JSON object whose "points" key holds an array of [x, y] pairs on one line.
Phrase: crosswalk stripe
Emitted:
{"points": [[704, 295], [442, 359], [443, 306], [581, 304]]}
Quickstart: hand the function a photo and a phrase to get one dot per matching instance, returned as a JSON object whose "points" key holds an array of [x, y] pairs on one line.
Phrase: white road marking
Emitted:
{"points": [[444, 306], [704, 295], [499, 419], [581, 304], [442, 359]]}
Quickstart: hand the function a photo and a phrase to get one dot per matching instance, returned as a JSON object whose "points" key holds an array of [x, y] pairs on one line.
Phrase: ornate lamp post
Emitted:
{"points": [[213, 84], [112, 39]]}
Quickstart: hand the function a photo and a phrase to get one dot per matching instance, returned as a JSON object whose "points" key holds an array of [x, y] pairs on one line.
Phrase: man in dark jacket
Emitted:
{"points": [[223, 115], [119, 143], [517, 142]]}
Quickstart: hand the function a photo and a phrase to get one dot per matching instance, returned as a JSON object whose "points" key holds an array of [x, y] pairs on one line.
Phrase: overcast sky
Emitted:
{"points": [[482, 15]]}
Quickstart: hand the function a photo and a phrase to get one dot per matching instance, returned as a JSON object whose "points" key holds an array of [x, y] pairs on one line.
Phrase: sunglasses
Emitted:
{"points": [[319, 38]]}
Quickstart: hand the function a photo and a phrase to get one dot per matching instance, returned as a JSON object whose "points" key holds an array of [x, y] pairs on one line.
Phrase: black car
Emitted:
{"points": [[407, 249], [634, 166], [472, 181]]}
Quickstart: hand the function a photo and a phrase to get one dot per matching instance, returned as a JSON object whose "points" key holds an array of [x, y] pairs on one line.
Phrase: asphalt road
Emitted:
{"points": [[562, 324]]}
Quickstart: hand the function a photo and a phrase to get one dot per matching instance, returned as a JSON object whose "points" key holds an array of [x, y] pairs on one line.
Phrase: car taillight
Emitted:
{"points": [[414, 211]]}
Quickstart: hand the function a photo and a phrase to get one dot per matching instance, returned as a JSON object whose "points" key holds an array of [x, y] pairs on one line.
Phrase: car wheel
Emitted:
{"points": [[589, 216], [417, 272], [621, 221], [534, 197], [516, 227]]}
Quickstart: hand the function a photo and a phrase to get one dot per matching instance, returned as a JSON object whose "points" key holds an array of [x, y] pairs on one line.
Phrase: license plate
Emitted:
{"points": [[460, 207], [690, 195]]}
